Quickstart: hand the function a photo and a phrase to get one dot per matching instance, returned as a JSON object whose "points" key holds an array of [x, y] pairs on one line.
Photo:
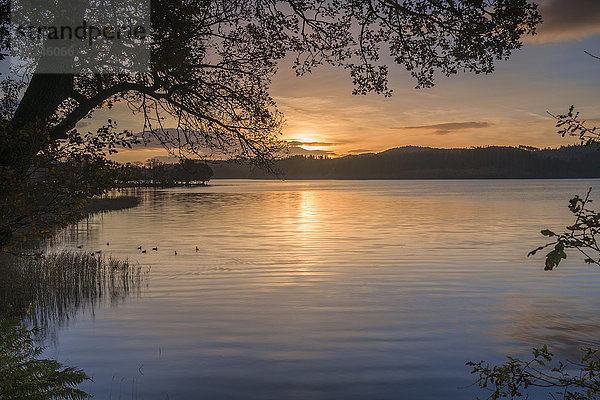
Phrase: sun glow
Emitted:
{"points": [[307, 147], [308, 141]]}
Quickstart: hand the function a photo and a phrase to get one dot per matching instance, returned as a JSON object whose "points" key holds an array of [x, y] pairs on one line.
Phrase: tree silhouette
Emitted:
{"points": [[156, 173], [212, 62]]}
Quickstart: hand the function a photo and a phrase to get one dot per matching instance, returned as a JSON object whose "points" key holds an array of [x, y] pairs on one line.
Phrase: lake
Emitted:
{"points": [[329, 289]]}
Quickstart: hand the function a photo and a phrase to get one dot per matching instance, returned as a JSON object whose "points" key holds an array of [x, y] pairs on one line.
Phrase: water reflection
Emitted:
{"points": [[48, 292], [329, 289], [566, 318]]}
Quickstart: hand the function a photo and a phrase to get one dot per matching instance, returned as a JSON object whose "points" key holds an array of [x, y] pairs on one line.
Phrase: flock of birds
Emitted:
{"points": [[143, 251]]}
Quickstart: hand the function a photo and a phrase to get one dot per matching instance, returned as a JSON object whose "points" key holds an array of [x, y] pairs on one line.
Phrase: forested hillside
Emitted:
{"points": [[433, 163]]}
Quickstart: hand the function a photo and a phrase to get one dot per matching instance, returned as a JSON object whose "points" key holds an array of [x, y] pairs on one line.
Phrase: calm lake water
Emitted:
{"points": [[329, 289]]}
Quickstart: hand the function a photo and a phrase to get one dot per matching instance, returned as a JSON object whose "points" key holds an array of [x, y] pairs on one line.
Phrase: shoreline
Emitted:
{"points": [[106, 204]]}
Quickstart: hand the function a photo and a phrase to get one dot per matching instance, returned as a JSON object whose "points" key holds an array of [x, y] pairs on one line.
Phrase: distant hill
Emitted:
{"points": [[432, 163]]}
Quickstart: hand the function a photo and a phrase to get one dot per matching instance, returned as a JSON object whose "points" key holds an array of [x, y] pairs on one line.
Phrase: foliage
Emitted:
{"points": [[44, 183], [213, 61], [565, 380], [571, 125], [24, 376], [582, 234], [49, 189], [157, 173]]}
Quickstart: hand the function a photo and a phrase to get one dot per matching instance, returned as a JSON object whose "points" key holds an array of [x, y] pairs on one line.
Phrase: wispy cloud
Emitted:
{"points": [[446, 128], [294, 142], [360, 151], [566, 20]]}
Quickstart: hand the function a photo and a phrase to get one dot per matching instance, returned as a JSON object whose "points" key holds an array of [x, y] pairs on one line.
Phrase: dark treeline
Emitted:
{"points": [[432, 163], [157, 173]]}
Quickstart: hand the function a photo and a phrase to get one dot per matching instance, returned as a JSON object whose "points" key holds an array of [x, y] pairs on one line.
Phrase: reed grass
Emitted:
{"points": [[56, 287]]}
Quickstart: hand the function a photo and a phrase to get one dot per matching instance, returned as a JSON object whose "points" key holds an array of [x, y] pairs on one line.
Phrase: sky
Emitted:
{"points": [[509, 107]]}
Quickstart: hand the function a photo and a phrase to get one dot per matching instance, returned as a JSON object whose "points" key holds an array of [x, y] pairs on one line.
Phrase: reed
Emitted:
{"points": [[54, 288]]}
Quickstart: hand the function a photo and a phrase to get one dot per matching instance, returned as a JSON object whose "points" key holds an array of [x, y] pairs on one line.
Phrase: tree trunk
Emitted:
{"points": [[52, 82], [41, 100]]}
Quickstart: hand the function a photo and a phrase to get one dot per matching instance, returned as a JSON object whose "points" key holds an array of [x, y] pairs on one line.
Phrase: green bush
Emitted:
{"points": [[24, 376]]}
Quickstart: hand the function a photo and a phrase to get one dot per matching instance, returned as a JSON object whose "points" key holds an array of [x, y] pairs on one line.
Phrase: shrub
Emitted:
{"points": [[24, 376]]}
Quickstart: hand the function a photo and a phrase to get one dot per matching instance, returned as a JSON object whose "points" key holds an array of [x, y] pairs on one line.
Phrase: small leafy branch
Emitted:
{"points": [[565, 380], [570, 124], [582, 235]]}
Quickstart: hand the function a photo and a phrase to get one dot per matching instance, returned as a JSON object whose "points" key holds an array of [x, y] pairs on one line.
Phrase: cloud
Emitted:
{"points": [[565, 20], [449, 127], [294, 143], [360, 151]]}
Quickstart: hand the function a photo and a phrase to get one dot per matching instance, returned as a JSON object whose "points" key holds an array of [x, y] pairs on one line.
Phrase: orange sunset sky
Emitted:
{"points": [[508, 107]]}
